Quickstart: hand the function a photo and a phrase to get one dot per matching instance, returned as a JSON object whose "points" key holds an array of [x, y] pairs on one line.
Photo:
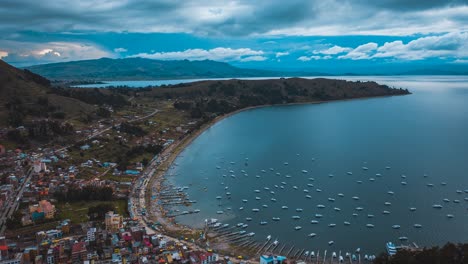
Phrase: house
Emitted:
{"points": [[113, 221], [270, 259]]}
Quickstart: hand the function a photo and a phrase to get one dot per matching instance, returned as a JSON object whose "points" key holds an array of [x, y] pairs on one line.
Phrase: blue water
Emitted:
{"points": [[415, 135]]}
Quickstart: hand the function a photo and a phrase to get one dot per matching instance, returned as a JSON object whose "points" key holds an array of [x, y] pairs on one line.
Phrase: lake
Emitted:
{"points": [[390, 154]]}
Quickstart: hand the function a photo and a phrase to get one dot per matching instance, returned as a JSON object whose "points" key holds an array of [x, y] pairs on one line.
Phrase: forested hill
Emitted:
{"points": [[219, 97], [143, 69]]}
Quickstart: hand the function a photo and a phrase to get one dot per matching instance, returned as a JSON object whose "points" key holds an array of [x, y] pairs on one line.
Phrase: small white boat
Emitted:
{"points": [[306, 191], [359, 182], [257, 198], [437, 206], [403, 238], [369, 225], [459, 191], [304, 171], [263, 223], [312, 235], [256, 191], [296, 217], [417, 226], [299, 209], [395, 226], [331, 225], [385, 212], [391, 192], [331, 199], [248, 219], [295, 187], [430, 185], [321, 206], [334, 255], [285, 164], [310, 185], [370, 216], [314, 222], [365, 168], [284, 183], [359, 208], [241, 208], [276, 218], [330, 175], [341, 195], [265, 206], [403, 183], [456, 201], [355, 215], [388, 203], [244, 200], [318, 215], [331, 242], [378, 175], [308, 196], [255, 210], [311, 179], [284, 207], [446, 200], [273, 199], [219, 197], [318, 190], [219, 212], [371, 179], [337, 209], [298, 228], [450, 216], [355, 198], [346, 223], [349, 173]]}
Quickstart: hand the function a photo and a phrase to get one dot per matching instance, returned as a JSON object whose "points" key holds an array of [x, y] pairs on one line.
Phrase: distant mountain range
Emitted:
{"points": [[147, 69]]}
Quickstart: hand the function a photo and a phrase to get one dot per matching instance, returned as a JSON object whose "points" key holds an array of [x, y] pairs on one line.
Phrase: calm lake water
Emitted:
{"points": [[422, 136]]}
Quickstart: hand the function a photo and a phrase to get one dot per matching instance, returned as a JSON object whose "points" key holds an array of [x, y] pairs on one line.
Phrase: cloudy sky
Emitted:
{"points": [[325, 35]]}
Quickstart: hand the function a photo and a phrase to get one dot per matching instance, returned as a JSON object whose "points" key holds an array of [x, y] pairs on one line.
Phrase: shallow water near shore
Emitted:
{"points": [[420, 136]]}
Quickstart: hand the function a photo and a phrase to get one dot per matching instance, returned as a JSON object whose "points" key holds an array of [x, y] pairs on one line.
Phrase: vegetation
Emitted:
{"points": [[87, 193], [448, 254], [78, 212]]}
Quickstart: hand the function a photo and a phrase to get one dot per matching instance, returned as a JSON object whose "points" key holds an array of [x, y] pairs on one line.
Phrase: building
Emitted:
{"points": [[270, 259], [79, 252], [18, 259], [113, 221], [43, 209]]}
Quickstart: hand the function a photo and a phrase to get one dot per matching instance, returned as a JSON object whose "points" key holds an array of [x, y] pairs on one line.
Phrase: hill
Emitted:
{"points": [[143, 69], [25, 95]]}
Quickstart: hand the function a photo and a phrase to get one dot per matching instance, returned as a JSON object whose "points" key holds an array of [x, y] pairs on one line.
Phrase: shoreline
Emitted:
{"points": [[170, 154]]}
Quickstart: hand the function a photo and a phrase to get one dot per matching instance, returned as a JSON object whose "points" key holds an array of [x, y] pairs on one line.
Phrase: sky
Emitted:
{"points": [[324, 36]]}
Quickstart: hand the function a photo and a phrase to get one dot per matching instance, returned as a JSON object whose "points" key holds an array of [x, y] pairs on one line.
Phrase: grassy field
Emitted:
{"points": [[77, 212]]}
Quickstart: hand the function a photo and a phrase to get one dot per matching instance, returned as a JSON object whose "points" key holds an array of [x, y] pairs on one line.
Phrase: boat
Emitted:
{"points": [[273, 199], [310, 185], [370, 216], [196, 210], [321, 206], [318, 190], [304, 171], [278, 173], [308, 196], [284, 183], [288, 176], [337, 209], [312, 254], [264, 171], [331, 199], [388, 203], [296, 217], [241, 208], [346, 223], [355, 198], [430, 185], [251, 234], [355, 215], [365, 168], [285, 164], [385, 212], [412, 209], [456, 201], [450, 216], [265, 206], [318, 215], [369, 225], [341, 195], [228, 193], [437, 206], [330, 175], [257, 191], [257, 198], [295, 187], [248, 219], [219, 212], [314, 222], [266, 188], [284, 207], [263, 222], [240, 224], [306, 254], [334, 255], [403, 183], [257, 176], [331, 242], [299, 210], [331, 225], [359, 182], [371, 179], [349, 173], [311, 179], [359, 208], [417, 226], [395, 226], [312, 235], [378, 175], [391, 248], [459, 191], [446, 200], [219, 197], [391, 192], [402, 238], [275, 218], [298, 228], [255, 210], [244, 200], [306, 191]]}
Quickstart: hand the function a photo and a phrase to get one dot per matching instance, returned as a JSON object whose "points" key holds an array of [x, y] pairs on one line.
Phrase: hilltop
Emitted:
{"points": [[143, 69], [25, 95]]}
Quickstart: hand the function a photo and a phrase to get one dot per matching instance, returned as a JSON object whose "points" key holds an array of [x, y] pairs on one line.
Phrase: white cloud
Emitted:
{"points": [[119, 50], [333, 50], [26, 53], [308, 58], [3, 54], [361, 52], [281, 54], [218, 54], [253, 58]]}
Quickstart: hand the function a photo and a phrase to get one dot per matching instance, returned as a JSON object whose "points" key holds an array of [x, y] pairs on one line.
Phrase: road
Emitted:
{"points": [[13, 202]]}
